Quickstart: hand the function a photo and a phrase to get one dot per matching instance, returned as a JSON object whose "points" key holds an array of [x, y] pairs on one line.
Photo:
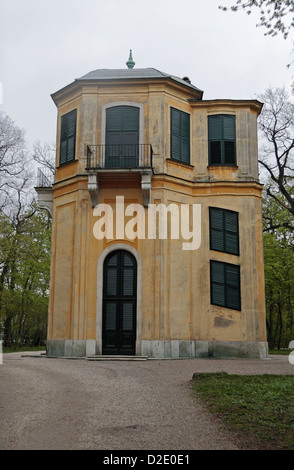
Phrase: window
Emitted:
{"points": [[180, 136], [225, 285], [222, 139], [68, 137], [122, 137], [224, 230]]}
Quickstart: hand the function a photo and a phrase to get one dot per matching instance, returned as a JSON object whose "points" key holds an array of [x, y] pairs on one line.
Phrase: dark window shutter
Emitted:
{"points": [[233, 286], [180, 136], [217, 283], [231, 232], [122, 137], [215, 153], [221, 136], [228, 127], [215, 128], [64, 127], [215, 137], [68, 137], [176, 147], [224, 230], [216, 229], [185, 151], [114, 119], [63, 152], [229, 150], [185, 125], [225, 285], [175, 121], [130, 119], [122, 119]]}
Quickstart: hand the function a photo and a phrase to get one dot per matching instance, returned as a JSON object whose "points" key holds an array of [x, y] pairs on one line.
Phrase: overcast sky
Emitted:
{"points": [[46, 44]]}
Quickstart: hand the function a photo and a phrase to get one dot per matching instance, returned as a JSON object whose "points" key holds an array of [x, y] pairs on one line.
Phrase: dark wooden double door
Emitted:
{"points": [[119, 304]]}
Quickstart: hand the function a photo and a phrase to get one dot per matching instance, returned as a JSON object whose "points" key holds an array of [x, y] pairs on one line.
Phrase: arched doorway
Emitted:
{"points": [[119, 303]]}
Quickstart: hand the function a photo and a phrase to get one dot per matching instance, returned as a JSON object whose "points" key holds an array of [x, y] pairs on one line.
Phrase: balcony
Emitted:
{"points": [[119, 158], [45, 180]]}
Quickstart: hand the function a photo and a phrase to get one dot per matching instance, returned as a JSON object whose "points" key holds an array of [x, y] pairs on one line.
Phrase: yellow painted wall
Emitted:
{"points": [[176, 283]]}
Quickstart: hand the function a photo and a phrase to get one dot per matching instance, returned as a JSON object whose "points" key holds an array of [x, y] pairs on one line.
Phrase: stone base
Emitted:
{"points": [[177, 349], [71, 348], [174, 349]]}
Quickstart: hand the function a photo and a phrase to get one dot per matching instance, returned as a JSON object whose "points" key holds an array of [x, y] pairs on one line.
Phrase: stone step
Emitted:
{"points": [[117, 358]]}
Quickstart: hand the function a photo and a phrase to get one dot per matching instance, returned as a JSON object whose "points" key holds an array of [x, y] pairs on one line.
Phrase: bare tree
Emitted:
{"points": [[14, 160], [276, 156], [45, 155], [277, 16]]}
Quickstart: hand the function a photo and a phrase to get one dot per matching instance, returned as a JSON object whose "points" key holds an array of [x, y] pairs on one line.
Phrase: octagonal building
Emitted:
{"points": [[157, 245]]}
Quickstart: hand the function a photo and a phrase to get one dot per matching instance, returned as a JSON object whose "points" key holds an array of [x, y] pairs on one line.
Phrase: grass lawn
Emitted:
{"points": [[280, 352], [259, 408], [23, 349]]}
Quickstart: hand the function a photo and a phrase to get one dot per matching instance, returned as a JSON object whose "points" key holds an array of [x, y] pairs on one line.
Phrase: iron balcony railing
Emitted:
{"points": [[45, 177], [122, 156]]}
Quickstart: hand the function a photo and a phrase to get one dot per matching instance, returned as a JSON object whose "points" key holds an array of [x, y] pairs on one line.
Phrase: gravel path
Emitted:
{"points": [[141, 405]]}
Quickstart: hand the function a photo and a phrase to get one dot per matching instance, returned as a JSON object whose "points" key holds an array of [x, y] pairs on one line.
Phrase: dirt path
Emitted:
{"points": [[76, 404]]}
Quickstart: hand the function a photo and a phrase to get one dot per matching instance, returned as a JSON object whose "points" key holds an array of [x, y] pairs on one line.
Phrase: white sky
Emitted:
{"points": [[46, 44]]}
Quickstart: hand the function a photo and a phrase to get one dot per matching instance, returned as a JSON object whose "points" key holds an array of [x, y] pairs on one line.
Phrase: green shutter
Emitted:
{"points": [[72, 123], [122, 137], [180, 136], [231, 232], [114, 119], [185, 126], [215, 139], [175, 121], [64, 127], [229, 152], [63, 152], [232, 274], [228, 123], [221, 137], [224, 230], [216, 229], [215, 128], [122, 119], [217, 283], [225, 285], [130, 119], [68, 137]]}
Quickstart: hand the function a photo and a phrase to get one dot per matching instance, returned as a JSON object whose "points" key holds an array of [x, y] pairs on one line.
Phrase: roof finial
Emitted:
{"points": [[130, 63]]}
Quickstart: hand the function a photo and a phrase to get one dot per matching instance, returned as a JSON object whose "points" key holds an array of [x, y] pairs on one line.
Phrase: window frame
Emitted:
{"points": [[180, 135], [222, 140], [66, 135], [226, 286], [226, 232]]}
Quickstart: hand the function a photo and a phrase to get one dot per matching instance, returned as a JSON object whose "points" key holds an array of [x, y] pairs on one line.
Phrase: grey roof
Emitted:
{"points": [[116, 74]]}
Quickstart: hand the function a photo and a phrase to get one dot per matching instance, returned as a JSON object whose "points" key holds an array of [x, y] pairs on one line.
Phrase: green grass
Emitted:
{"points": [[23, 349], [283, 352], [258, 408]]}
